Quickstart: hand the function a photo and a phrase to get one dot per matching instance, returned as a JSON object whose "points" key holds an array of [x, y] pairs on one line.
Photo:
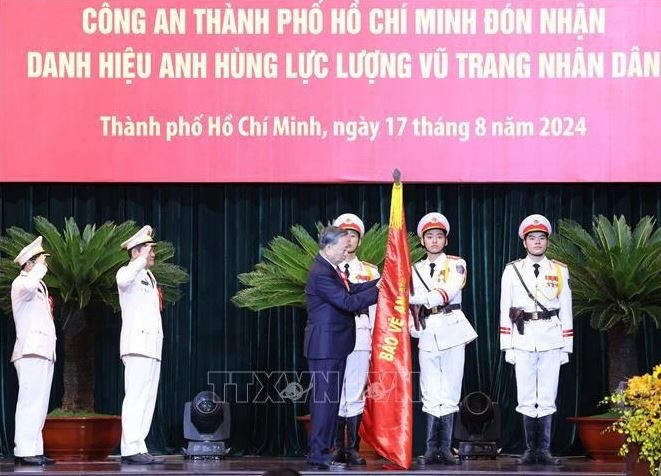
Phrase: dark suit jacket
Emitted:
{"points": [[331, 329]]}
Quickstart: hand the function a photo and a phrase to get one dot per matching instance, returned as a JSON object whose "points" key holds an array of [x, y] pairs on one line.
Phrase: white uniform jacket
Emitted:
{"points": [[443, 330], [551, 289], [142, 330], [35, 330], [361, 272]]}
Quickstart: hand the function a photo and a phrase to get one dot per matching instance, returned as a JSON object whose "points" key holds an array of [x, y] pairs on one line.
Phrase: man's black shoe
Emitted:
{"points": [[545, 458], [335, 466], [141, 458], [28, 460], [527, 458], [339, 456], [156, 459], [45, 459], [445, 456], [354, 458], [428, 458], [328, 466], [319, 465]]}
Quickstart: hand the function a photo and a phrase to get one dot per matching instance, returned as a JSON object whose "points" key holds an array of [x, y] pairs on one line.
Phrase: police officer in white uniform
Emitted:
{"points": [[34, 353], [437, 284], [352, 400], [140, 346], [536, 333]]}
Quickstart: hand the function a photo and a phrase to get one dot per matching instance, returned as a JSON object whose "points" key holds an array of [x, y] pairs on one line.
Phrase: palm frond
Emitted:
{"points": [[304, 239], [615, 273], [643, 232], [373, 245]]}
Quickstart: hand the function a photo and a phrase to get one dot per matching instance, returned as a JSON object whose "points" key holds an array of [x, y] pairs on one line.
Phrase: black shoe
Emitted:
{"points": [[335, 466], [428, 458], [545, 458], [327, 465], [354, 458], [156, 459], [527, 458], [141, 458], [445, 456], [45, 459], [28, 461], [318, 464], [339, 456]]}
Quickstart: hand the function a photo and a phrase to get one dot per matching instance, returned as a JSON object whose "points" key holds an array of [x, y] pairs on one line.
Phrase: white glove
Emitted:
{"points": [[564, 358], [415, 333], [510, 356]]}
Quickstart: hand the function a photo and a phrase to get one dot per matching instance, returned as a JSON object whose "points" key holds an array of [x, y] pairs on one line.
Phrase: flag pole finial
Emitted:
{"points": [[397, 176]]}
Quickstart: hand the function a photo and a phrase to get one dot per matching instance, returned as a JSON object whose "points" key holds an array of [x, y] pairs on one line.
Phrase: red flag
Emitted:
{"points": [[387, 422]]}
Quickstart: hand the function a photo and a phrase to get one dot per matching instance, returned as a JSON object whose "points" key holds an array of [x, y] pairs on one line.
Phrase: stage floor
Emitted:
{"points": [[255, 465]]}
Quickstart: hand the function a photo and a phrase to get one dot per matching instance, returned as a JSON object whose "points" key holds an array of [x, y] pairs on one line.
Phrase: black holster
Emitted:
{"points": [[517, 318], [420, 314]]}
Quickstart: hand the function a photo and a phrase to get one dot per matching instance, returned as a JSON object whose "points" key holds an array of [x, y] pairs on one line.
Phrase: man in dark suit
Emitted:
{"points": [[330, 335]]}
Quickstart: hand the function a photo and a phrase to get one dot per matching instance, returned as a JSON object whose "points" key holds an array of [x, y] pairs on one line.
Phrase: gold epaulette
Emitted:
{"points": [[370, 265], [453, 257], [515, 261], [560, 263]]}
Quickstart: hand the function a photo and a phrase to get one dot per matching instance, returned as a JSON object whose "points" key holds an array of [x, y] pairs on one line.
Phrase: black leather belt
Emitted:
{"points": [[445, 309], [539, 315]]}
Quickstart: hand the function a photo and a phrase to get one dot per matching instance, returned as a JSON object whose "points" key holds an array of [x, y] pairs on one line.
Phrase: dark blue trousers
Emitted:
{"points": [[327, 377]]}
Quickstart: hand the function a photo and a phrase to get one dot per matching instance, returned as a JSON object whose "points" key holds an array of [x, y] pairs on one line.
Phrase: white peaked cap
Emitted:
{"points": [[141, 237], [349, 221], [30, 251], [433, 221], [534, 223]]}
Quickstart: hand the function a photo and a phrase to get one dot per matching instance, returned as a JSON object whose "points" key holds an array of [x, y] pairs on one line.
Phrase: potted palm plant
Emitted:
{"points": [[82, 268], [616, 282]]}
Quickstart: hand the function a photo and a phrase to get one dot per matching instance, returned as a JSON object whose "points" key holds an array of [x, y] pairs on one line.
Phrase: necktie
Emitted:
{"points": [[343, 276], [536, 266], [346, 269], [431, 269]]}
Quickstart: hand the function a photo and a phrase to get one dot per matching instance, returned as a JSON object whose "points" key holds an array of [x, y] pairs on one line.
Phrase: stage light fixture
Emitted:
{"points": [[478, 427], [206, 426]]}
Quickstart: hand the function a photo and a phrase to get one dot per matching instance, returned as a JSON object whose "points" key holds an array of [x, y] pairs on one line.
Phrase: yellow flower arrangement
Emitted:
{"points": [[639, 409]]}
